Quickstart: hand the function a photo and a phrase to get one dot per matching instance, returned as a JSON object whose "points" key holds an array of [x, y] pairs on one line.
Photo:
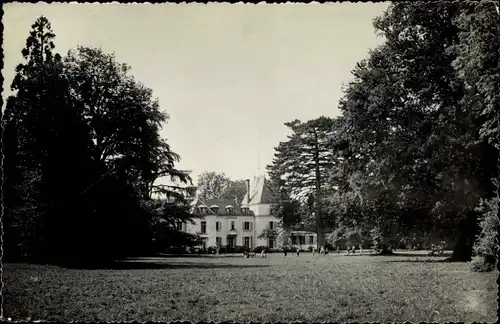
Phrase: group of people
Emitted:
{"points": [[323, 250], [438, 249], [352, 250]]}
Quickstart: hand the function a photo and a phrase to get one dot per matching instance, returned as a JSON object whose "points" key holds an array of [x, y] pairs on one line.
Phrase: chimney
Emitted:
{"points": [[248, 189]]}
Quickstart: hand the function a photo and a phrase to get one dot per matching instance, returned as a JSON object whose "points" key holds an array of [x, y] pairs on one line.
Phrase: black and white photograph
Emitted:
{"points": [[250, 162]]}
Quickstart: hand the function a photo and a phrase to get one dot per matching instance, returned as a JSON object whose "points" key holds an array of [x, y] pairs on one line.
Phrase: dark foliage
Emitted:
{"points": [[79, 176]]}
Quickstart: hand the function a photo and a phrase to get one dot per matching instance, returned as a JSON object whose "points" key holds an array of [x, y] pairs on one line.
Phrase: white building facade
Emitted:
{"points": [[229, 223]]}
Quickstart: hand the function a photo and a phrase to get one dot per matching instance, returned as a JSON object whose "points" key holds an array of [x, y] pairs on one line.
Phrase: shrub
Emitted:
{"points": [[176, 250], [231, 249], [486, 244], [479, 264], [212, 250]]}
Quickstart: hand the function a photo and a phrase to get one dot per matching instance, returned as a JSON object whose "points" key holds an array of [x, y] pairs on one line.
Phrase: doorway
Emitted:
{"points": [[231, 241]]}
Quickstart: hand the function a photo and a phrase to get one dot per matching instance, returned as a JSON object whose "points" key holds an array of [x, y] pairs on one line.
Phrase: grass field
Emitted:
{"points": [[305, 288]]}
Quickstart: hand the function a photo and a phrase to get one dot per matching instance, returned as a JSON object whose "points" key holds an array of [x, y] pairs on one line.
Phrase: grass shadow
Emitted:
{"points": [[420, 261], [196, 256], [403, 254], [131, 265]]}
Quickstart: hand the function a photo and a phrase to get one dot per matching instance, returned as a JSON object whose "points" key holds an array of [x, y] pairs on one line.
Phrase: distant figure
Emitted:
{"points": [[433, 249], [314, 250], [348, 250], [360, 249], [353, 250], [218, 250], [298, 251], [322, 250], [326, 250], [338, 249], [441, 247], [284, 251], [262, 254]]}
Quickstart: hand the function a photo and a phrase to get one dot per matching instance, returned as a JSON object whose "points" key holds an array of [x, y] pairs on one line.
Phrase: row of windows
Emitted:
{"points": [[247, 226], [247, 242], [218, 226], [228, 211], [302, 239], [231, 241]]}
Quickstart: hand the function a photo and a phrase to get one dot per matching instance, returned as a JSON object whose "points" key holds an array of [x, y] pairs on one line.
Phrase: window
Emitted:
{"points": [[244, 211], [271, 225], [202, 210], [217, 226], [229, 211], [215, 210], [218, 241], [271, 243], [246, 226], [311, 239], [294, 240], [247, 242], [232, 226], [302, 239], [203, 227], [179, 226]]}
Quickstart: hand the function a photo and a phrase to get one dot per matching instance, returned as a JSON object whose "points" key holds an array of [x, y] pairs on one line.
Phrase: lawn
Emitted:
{"points": [[305, 288]]}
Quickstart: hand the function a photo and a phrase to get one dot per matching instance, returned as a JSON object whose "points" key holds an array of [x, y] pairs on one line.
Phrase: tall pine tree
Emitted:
{"points": [[300, 167]]}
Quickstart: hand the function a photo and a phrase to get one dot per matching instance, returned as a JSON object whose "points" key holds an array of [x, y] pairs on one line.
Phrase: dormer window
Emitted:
{"points": [[229, 210], [202, 210], [244, 210], [215, 209]]}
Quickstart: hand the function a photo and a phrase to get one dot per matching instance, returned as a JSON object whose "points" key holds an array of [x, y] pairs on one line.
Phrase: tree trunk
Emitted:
{"points": [[319, 220], [462, 251]]}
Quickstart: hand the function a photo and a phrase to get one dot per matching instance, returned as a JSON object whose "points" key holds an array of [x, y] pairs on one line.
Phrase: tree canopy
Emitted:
{"points": [[415, 151], [213, 185], [300, 168], [75, 163]]}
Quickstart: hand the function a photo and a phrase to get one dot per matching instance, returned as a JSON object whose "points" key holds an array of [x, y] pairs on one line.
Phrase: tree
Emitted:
{"points": [[347, 236], [76, 165], [268, 234], [283, 239], [45, 146], [477, 64], [236, 189], [486, 244], [213, 185], [300, 165], [402, 112], [129, 156]]}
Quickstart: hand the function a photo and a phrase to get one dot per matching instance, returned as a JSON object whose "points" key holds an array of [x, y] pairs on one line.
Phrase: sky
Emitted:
{"points": [[229, 75]]}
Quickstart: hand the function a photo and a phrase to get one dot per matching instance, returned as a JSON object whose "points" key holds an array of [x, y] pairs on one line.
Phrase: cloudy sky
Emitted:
{"points": [[229, 76]]}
